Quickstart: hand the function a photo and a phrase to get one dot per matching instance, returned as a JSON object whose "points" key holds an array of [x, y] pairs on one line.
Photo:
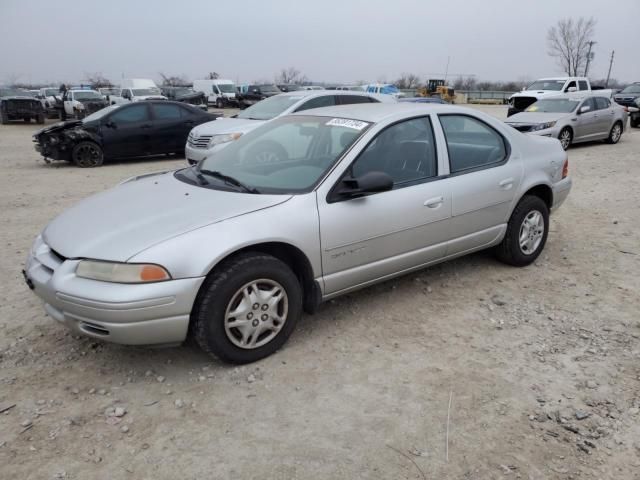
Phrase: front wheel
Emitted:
{"points": [[526, 232], [40, 119], [565, 137], [219, 103], [615, 133], [247, 308], [87, 155]]}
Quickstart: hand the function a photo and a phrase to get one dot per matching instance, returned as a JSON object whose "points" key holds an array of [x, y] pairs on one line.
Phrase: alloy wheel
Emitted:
{"points": [[531, 232]]}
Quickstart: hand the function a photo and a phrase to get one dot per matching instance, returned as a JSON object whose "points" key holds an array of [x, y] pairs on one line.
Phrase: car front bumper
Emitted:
{"points": [[129, 314], [194, 155]]}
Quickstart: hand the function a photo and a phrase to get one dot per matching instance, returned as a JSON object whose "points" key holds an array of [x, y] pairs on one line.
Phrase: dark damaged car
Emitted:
{"points": [[19, 105], [186, 95], [136, 129]]}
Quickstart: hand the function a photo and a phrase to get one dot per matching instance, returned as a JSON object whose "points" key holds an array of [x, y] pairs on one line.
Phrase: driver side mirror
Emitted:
{"points": [[584, 109], [572, 89], [370, 182]]}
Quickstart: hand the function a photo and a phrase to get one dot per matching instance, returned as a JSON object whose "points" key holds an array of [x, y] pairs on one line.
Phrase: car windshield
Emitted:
{"points": [[110, 91], [100, 113], [547, 85], [13, 92], [270, 107], [563, 105], [143, 92], [183, 91], [292, 88], [87, 96], [286, 156], [50, 92], [631, 89], [227, 87], [269, 89]]}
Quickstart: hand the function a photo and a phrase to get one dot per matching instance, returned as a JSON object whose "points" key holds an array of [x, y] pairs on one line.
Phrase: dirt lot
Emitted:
{"points": [[540, 366]]}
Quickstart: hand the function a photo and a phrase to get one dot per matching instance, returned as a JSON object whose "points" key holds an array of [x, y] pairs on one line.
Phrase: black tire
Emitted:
{"points": [[634, 123], [87, 155], [509, 250], [40, 119], [615, 133], [221, 288], [566, 137], [219, 103], [266, 152]]}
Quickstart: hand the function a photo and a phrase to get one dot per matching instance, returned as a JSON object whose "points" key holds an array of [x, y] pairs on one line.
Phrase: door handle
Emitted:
{"points": [[434, 202], [506, 184]]}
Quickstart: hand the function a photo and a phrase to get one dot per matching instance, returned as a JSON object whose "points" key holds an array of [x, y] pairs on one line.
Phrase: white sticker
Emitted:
{"points": [[345, 122]]}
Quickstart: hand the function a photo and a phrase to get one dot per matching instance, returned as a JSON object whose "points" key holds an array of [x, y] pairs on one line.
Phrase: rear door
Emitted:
{"points": [[171, 125], [485, 175], [604, 120], [127, 131]]}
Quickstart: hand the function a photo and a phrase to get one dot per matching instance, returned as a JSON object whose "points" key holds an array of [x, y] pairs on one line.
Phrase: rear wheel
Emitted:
{"points": [[87, 155], [40, 118], [615, 133], [526, 232], [565, 137], [247, 308]]}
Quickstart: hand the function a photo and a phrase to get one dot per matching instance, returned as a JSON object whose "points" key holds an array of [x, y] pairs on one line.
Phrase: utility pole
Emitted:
{"points": [[589, 58], [446, 70], [606, 84]]}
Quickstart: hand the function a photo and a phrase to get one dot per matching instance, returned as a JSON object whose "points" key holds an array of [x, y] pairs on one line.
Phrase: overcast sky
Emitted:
{"points": [[328, 40]]}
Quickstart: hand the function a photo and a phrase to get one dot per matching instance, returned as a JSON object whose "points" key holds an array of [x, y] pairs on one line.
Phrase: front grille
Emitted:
{"points": [[522, 128], [198, 141], [522, 103]]}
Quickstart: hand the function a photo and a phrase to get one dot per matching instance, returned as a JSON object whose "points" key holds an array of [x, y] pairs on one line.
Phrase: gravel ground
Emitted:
{"points": [[468, 370]]}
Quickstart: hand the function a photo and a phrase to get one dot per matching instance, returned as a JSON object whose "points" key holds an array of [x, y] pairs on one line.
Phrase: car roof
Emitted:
{"points": [[319, 93], [377, 112]]}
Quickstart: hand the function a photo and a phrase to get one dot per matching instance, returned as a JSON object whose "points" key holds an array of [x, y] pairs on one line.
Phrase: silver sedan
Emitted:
{"points": [[231, 251], [573, 119]]}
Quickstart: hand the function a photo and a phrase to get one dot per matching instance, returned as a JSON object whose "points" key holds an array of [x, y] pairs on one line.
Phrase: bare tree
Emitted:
{"points": [[291, 75], [98, 80], [174, 80], [408, 80], [465, 83], [568, 42], [213, 76], [11, 79]]}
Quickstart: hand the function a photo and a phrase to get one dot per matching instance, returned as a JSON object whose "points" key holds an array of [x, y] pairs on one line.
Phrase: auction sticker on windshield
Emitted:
{"points": [[345, 122]]}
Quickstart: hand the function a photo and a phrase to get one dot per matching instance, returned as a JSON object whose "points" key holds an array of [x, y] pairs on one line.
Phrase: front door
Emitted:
{"points": [[126, 132], [485, 176], [586, 123], [372, 237]]}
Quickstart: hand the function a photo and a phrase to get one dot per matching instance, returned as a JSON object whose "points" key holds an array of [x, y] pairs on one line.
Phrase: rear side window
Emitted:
{"points": [[589, 102], [601, 103], [583, 85], [317, 102], [351, 99], [130, 114], [472, 144], [166, 111]]}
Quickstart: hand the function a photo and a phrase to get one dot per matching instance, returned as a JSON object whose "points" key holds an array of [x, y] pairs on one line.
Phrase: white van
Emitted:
{"points": [[219, 92]]}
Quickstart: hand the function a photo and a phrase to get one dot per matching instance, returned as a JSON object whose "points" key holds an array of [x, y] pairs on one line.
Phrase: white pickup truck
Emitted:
{"points": [[550, 87]]}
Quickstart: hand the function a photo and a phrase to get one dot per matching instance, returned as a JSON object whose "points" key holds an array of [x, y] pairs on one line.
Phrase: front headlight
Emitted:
{"points": [[121, 272], [223, 138], [543, 126]]}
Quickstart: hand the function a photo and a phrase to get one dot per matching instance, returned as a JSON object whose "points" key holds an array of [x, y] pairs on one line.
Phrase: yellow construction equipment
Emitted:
{"points": [[437, 88]]}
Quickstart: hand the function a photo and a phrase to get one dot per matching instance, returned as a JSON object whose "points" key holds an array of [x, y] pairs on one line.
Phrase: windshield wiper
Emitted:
{"points": [[228, 180]]}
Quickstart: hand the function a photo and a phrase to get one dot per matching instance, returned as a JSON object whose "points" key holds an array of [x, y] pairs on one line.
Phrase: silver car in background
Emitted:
{"points": [[573, 119], [234, 249]]}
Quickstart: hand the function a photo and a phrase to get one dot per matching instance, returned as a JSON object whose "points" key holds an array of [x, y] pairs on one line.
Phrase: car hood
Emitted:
{"points": [[117, 224], [538, 93], [535, 117], [150, 97], [56, 127], [226, 125]]}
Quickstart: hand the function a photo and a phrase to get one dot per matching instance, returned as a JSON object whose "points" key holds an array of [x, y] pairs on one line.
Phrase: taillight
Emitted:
{"points": [[565, 168]]}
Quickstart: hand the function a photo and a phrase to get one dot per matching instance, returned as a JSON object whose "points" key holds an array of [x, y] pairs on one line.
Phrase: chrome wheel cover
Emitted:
{"points": [[531, 232], [565, 139], [256, 313], [616, 132]]}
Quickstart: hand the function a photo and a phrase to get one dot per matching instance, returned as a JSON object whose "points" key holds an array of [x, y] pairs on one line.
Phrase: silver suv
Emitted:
{"points": [[234, 249]]}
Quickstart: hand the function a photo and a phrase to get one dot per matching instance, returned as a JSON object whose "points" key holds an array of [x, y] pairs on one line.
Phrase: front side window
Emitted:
{"points": [[405, 151], [472, 144], [589, 102], [571, 84], [132, 114], [317, 102]]}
